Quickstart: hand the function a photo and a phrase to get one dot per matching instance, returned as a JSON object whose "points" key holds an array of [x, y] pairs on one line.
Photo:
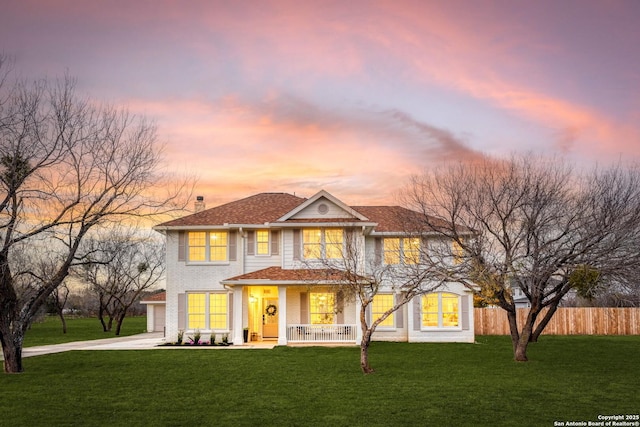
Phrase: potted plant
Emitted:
{"points": [[245, 334]]}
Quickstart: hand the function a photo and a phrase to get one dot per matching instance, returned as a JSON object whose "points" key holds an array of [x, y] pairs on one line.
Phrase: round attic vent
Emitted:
{"points": [[323, 209]]}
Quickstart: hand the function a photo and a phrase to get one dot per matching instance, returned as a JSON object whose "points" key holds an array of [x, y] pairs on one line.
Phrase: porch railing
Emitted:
{"points": [[321, 333]]}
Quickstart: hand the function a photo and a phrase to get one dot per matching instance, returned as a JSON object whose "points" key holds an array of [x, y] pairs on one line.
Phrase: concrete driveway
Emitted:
{"points": [[133, 342], [146, 341]]}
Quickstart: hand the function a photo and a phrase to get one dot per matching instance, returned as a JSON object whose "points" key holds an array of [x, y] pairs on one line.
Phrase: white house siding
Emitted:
{"points": [[185, 277], [460, 334], [259, 262], [287, 249], [293, 304]]}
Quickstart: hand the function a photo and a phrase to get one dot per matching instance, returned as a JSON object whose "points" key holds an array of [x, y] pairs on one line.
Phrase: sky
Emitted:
{"points": [[353, 97]]}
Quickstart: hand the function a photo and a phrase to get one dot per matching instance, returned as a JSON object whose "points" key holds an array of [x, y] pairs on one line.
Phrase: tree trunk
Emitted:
{"points": [[543, 323], [364, 353], [63, 320], [520, 351], [365, 341], [101, 317], [119, 322], [12, 350], [521, 345]]}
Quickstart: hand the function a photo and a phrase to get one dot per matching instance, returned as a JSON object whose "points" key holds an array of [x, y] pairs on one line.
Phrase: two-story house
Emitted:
{"points": [[260, 263]]}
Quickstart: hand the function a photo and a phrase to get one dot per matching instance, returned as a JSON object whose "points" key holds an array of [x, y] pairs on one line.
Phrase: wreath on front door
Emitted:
{"points": [[271, 310]]}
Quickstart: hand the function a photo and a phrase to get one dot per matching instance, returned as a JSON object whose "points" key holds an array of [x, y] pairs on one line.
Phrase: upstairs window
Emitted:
{"points": [[312, 243], [197, 246], [218, 245], [262, 242], [334, 241], [208, 246], [458, 252], [401, 250], [318, 243]]}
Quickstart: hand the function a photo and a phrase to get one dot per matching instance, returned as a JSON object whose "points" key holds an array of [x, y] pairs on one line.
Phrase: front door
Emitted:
{"points": [[270, 318]]}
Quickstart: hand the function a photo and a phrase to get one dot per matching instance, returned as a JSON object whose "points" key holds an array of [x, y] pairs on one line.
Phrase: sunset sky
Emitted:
{"points": [[348, 96]]}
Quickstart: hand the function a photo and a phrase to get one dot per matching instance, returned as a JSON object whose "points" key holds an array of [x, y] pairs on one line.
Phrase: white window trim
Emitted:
{"points": [[207, 313], [255, 243], [207, 248], [323, 243], [440, 327]]}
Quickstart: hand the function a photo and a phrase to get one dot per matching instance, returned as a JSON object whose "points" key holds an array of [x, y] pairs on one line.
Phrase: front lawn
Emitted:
{"points": [[568, 379]]}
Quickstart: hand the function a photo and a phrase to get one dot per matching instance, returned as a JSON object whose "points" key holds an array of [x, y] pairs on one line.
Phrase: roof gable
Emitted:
{"points": [[323, 205]]}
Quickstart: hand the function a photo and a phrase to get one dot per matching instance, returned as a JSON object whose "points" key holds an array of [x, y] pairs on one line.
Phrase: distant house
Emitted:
{"points": [[253, 264]]}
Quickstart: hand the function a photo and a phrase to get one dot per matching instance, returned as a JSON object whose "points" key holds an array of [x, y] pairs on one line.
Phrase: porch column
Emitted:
{"points": [[282, 317], [357, 321], [237, 316]]}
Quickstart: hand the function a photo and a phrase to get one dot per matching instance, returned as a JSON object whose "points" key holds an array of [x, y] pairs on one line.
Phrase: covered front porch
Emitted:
{"points": [[291, 312]]}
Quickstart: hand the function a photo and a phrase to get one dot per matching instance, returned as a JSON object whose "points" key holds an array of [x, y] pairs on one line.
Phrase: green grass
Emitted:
{"points": [[49, 331], [567, 379]]}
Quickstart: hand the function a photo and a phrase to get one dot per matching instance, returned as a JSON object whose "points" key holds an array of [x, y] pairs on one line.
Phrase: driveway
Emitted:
{"points": [[146, 341]]}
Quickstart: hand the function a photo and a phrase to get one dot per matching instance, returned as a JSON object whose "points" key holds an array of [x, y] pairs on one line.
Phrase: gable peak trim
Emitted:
{"points": [[319, 195]]}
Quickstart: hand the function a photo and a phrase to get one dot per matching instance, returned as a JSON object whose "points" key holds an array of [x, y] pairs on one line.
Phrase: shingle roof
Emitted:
{"points": [[257, 209], [396, 218], [159, 297], [269, 207], [278, 274]]}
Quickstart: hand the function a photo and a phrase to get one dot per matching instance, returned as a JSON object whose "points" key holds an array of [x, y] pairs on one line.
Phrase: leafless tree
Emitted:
{"points": [[360, 277], [539, 225], [58, 301], [123, 265], [67, 167]]}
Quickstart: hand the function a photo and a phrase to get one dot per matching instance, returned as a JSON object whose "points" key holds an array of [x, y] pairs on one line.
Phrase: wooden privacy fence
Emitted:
{"points": [[566, 321]]}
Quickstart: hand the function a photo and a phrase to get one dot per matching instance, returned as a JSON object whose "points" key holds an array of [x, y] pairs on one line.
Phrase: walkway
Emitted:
{"points": [[146, 341]]}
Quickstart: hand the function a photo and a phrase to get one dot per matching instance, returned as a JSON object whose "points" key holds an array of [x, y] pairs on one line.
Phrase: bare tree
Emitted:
{"points": [[123, 265], [539, 225], [360, 277], [67, 167], [58, 301]]}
